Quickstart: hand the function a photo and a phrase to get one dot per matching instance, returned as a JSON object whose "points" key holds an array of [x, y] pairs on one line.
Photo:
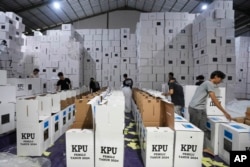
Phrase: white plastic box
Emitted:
{"points": [[188, 145], [80, 147], [234, 137], [158, 147], [212, 137]]}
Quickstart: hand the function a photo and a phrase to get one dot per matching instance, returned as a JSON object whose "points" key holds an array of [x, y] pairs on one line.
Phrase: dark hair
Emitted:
{"points": [[200, 77], [92, 78], [171, 74], [36, 70], [125, 75], [60, 74], [219, 74], [4, 42]]}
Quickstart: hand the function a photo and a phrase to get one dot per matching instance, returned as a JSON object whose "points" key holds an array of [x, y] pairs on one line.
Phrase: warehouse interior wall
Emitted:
{"points": [[112, 20]]}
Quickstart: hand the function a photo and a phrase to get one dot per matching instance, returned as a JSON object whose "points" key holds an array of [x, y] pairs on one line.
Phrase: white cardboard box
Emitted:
{"points": [[33, 132], [211, 109], [157, 149], [80, 147], [63, 121], [212, 138], [8, 94], [178, 118], [55, 127], [188, 144], [234, 137], [189, 91], [7, 117], [109, 149], [3, 77]]}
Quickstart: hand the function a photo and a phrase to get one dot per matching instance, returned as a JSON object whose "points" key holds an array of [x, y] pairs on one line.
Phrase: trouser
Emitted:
{"points": [[128, 98], [199, 119], [178, 109]]}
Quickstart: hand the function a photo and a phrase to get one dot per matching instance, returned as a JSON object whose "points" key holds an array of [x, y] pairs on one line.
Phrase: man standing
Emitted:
{"points": [[93, 85], [63, 83], [197, 106], [127, 91], [35, 73], [177, 96], [170, 77]]}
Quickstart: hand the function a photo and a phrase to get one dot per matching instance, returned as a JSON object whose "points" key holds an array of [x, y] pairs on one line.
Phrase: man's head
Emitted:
{"points": [[217, 77], [125, 76], [92, 79], [4, 42], [36, 71], [200, 78], [170, 75], [60, 75]]}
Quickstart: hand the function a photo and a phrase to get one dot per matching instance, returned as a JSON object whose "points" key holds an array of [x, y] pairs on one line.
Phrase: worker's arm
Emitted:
{"points": [[57, 88], [169, 93], [218, 105]]}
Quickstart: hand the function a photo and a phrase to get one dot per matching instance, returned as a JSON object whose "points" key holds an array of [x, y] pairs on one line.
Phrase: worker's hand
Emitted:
{"points": [[228, 116], [164, 94]]}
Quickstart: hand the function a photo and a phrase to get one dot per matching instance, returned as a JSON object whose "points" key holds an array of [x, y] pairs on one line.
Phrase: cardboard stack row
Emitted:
{"points": [[164, 144], [58, 51], [214, 43], [97, 135], [164, 45], [41, 120], [235, 135], [109, 53], [11, 29], [7, 105]]}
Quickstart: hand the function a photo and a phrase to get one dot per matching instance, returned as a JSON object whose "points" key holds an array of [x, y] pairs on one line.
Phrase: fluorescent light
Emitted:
{"points": [[56, 5], [204, 7], [38, 29]]}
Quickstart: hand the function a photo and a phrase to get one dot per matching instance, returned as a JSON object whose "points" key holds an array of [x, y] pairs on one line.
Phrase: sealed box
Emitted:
{"points": [[220, 94], [234, 137], [212, 138], [188, 144], [80, 147], [157, 149], [7, 117]]}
